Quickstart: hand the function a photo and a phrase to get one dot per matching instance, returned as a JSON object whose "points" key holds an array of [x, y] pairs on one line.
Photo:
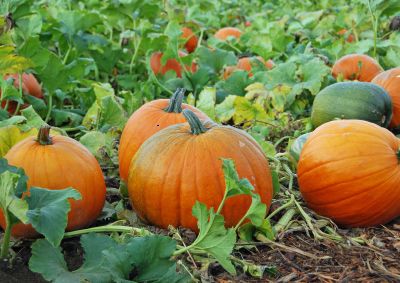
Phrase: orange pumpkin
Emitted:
{"points": [[148, 120], [29, 86], [182, 164], [349, 171], [390, 81], [350, 38], [56, 163], [356, 67], [171, 64], [246, 64], [224, 33], [191, 39]]}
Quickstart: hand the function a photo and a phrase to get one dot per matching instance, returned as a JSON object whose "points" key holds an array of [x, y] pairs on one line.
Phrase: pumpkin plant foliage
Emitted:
{"points": [[46, 210]]}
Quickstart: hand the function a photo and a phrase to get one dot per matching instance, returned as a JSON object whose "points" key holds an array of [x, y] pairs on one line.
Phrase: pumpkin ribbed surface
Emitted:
{"points": [[64, 163], [349, 171]]}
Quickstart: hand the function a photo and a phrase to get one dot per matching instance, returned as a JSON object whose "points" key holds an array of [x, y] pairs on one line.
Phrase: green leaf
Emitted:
{"points": [[215, 60], [32, 118], [8, 199], [213, 237], [13, 185], [233, 184], [108, 261], [48, 211], [246, 112], [225, 110], [236, 186], [206, 102], [236, 83], [49, 260], [10, 135]]}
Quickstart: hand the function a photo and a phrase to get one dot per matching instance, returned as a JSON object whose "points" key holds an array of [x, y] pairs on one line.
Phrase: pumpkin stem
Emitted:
{"points": [[175, 102], [44, 135], [196, 125], [398, 154]]}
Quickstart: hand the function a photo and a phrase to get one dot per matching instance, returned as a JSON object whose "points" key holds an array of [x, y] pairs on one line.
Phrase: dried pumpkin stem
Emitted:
{"points": [[44, 135], [175, 103], [196, 126]]}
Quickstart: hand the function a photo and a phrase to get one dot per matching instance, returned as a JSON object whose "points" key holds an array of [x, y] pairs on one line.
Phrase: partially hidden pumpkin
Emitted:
{"points": [[191, 39], [352, 100], [55, 163], [297, 146], [29, 86], [171, 64], [390, 81], [349, 171], [246, 64], [228, 32], [356, 67], [182, 164], [148, 120], [349, 37]]}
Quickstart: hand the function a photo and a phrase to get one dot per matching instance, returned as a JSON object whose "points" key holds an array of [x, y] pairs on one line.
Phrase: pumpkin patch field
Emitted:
{"points": [[199, 141]]}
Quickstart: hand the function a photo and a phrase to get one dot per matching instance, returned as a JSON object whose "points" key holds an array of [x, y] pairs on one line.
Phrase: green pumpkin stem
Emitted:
{"points": [[44, 135], [175, 102], [196, 125]]}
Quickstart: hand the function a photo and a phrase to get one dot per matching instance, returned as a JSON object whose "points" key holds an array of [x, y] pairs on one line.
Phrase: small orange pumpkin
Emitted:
{"points": [[390, 81], [349, 171], [182, 164], [356, 67], [245, 64], [350, 38], [148, 120], [224, 33], [29, 86], [191, 39], [171, 64], [56, 163]]}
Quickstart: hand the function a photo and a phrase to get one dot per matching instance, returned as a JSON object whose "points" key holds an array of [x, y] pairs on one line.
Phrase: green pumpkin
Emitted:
{"points": [[352, 100]]}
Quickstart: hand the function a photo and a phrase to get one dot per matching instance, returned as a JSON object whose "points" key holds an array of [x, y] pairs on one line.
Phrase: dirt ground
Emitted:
{"points": [[322, 261]]}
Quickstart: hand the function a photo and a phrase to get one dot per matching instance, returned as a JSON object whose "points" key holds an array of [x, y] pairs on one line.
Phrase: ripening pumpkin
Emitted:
{"points": [[390, 81], [182, 164], [349, 171], [350, 38], [224, 33], [191, 39], [171, 64], [148, 120], [29, 86], [356, 67], [246, 64], [55, 163]]}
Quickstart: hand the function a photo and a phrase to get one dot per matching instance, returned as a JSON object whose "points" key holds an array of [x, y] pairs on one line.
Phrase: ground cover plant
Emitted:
{"points": [[199, 141]]}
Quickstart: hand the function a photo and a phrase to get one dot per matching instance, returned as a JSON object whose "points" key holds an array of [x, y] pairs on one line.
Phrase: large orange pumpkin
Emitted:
{"points": [[349, 171], [246, 64], [390, 81], [191, 39], [171, 64], [29, 86], [224, 33], [356, 67], [148, 120], [55, 163], [182, 164]]}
